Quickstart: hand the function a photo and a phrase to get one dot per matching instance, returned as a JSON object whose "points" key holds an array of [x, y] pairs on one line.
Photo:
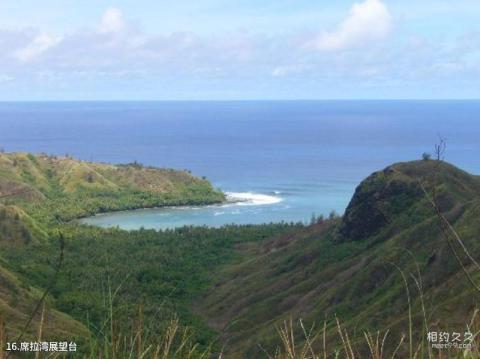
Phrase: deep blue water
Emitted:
{"points": [[308, 156]]}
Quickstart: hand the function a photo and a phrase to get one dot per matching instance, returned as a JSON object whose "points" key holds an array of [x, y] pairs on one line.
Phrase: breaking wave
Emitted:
{"points": [[252, 199]]}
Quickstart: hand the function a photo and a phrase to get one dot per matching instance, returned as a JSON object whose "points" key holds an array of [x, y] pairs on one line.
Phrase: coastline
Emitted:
{"points": [[231, 199]]}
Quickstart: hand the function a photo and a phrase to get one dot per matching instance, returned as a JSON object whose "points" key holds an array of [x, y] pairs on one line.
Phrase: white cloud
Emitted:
{"points": [[39, 44], [367, 22], [121, 54], [6, 78], [112, 21], [282, 71]]}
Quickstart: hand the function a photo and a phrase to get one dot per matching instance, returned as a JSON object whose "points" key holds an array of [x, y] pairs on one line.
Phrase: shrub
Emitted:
{"points": [[426, 156]]}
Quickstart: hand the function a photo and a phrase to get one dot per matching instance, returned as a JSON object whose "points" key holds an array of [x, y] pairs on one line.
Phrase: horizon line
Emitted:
{"points": [[241, 100]]}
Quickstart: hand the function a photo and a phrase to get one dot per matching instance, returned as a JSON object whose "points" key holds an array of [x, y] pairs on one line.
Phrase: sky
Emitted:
{"points": [[239, 49]]}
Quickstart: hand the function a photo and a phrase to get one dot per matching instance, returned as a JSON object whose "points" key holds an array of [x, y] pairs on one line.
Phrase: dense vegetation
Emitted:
{"points": [[61, 188], [388, 256], [158, 271], [161, 271], [355, 269]]}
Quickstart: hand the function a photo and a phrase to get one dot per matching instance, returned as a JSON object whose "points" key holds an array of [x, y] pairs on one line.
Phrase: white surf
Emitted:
{"points": [[252, 199]]}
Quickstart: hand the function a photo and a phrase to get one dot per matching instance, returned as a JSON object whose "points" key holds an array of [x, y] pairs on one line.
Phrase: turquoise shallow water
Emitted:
{"points": [[255, 208], [288, 159]]}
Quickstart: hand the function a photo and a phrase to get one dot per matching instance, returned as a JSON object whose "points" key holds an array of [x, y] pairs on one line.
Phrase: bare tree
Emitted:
{"points": [[440, 148], [449, 233]]}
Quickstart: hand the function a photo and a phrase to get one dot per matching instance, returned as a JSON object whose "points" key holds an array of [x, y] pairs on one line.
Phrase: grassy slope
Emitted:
{"points": [[18, 300], [340, 266], [346, 267], [19, 297], [65, 188], [161, 271], [50, 190]]}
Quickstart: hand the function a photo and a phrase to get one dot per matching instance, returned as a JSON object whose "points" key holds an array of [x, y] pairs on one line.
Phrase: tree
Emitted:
{"points": [[333, 215], [440, 148], [426, 156]]}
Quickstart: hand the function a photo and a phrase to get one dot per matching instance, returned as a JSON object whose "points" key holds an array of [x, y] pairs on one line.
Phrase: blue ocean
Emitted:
{"points": [[285, 160]]}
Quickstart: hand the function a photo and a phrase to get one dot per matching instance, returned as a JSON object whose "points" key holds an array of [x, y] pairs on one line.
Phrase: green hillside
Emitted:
{"points": [[39, 193], [350, 267], [232, 286], [18, 296], [63, 188]]}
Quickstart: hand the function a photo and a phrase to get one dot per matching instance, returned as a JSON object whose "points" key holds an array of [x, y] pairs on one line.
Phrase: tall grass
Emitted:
{"points": [[296, 341], [373, 345], [112, 340], [174, 342]]}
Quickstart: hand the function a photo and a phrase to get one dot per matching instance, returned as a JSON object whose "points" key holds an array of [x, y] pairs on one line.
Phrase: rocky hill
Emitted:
{"points": [[391, 254], [352, 267]]}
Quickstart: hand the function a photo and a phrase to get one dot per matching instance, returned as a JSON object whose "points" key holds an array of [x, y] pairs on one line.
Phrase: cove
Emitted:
{"points": [[243, 208]]}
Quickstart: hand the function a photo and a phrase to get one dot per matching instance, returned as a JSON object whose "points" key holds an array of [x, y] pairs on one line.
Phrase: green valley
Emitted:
{"points": [[387, 255], [400, 259]]}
